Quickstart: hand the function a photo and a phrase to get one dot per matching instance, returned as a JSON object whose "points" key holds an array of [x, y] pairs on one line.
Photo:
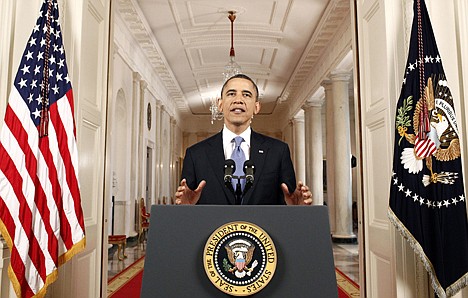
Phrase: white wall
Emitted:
{"points": [[120, 141]]}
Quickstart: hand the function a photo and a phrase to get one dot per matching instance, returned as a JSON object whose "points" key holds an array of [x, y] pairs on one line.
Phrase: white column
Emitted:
{"points": [[135, 138], [135, 165], [329, 195], [162, 109], [165, 153], [342, 161], [173, 183], [141, 142], [157, 155], [289, 137], [299, 146], [314, 148]]}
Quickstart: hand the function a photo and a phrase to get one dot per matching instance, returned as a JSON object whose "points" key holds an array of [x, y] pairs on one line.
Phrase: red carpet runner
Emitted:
{"points": [[128, 283], [346, 287]]}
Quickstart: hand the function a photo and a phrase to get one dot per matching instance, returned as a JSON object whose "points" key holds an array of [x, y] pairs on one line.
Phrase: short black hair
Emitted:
{"points": [[240, 76]]}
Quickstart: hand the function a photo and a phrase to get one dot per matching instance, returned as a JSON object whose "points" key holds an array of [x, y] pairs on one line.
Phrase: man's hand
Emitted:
{"points": [[300, 196], [185, 196]]}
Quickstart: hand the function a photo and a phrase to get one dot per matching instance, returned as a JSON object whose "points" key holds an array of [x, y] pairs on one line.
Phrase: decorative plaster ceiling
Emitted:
{"points": [[277, 43]]}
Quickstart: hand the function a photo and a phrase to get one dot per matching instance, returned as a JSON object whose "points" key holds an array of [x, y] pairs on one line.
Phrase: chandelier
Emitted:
{"points": [[231, 69], [216, 114]]}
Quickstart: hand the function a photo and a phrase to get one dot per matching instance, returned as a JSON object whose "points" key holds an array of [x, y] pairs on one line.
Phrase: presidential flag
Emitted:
{"points": [[427, 199], [41, 217]]}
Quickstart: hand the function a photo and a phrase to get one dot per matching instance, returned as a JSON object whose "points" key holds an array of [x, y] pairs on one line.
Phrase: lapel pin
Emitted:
{"points": [[260, 151]]}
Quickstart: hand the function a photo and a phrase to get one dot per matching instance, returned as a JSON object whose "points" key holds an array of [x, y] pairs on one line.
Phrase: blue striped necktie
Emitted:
{"points": [[239, 158]]}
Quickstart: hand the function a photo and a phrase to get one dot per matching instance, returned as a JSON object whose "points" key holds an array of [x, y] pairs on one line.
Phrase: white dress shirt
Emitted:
{"points": [[229, 144]]}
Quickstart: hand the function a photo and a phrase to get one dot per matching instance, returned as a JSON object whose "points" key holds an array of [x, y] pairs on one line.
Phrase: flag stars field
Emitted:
{"points": [[417, 62], [422, 201]]}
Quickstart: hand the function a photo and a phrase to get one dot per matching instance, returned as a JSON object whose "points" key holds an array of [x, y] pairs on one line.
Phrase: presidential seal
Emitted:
{"points": [[240, 258]]}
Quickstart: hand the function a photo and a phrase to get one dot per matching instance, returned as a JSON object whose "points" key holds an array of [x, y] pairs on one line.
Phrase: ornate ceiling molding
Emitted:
{"points": [[138, 26], [336, 12]]}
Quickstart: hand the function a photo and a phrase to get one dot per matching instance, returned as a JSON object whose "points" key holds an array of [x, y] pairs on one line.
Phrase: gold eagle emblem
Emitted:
{"points": [[441, 142]]}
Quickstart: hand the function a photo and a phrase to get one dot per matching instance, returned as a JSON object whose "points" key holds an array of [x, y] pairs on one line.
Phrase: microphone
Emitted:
{"points": [[249, 170], [229, 169]]}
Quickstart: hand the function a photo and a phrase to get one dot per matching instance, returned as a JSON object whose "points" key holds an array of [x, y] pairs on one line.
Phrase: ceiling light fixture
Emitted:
{"points": [[232, 68], [216, 114]]}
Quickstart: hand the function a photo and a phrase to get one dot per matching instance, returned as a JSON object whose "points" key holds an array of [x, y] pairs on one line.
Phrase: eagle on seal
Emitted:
{"points": [[240, 254]]}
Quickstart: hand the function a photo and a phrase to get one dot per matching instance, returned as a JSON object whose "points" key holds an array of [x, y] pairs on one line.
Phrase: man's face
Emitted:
{"points": [[238, 104]]}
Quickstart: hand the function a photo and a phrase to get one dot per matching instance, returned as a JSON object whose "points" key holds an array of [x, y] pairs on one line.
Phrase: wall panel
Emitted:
{"points": [[376, 141]]}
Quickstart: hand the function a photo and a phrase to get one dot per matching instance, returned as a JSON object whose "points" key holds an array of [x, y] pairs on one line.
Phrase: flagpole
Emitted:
{"points": [[44, 124]]}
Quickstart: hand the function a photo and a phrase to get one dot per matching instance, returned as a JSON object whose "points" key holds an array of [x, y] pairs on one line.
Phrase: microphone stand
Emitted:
{"points": [[238, 191], [229, 168]]}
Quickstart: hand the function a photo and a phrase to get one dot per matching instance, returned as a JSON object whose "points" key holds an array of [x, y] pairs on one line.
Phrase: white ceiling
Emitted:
{"points": [[277, 43]]}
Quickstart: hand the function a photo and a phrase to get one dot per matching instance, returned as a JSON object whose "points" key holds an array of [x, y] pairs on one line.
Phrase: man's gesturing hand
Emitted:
{"points": [[300, 196], [185, 196]]}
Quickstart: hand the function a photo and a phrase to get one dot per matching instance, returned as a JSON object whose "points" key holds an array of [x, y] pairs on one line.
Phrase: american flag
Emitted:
{"points": [[427, 198], [41, 217]]}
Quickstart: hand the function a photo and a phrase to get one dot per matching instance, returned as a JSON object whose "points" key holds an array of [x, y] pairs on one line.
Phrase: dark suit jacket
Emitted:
{"points": [[273, 166]]}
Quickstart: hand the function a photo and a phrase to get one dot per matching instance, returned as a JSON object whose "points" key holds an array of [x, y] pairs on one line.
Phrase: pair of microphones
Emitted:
{"points": [[230, 168]]}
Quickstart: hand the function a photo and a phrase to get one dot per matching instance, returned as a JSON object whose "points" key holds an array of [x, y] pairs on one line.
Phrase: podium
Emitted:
{"points": [[174, 262]]}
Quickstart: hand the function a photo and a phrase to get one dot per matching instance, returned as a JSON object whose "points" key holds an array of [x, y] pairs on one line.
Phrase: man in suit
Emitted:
{"points": [[203, 168]]}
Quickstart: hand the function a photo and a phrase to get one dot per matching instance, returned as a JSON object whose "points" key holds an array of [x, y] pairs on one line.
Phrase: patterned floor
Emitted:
{"points": [[133, 252], [347, 260], [345, 255]]}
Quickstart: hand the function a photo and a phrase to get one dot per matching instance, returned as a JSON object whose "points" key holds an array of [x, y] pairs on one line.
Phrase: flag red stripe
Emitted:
{"points": [[71, 103], [73, 183], [7, 220], [424, 148], [56, 193], [5, 213], [65, 229], [422, 145], [63, 136], [15, 179], [17, 130], [44, 209], [40, 198], [9, 224]]}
